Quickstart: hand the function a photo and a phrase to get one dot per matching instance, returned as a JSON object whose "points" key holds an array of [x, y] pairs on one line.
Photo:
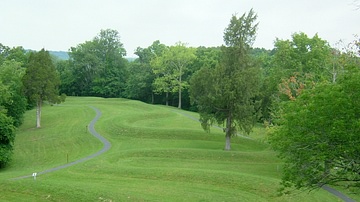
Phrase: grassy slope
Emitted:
{"points": [[157, 154]]}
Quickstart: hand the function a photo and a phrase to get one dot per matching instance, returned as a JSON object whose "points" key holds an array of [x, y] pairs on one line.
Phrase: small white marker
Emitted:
{"points": [[34, 175]]}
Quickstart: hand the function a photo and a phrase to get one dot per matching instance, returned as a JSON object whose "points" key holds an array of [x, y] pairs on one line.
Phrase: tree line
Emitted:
{"points": [[27, 79], [304, 91]]}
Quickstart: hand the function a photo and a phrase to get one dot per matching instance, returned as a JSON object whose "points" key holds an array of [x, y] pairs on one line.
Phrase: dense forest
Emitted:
{"points": [[306, 92]]}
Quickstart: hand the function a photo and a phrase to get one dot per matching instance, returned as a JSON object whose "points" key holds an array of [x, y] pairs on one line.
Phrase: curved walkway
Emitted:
{"points": [[327, 188], [338, 194], [91, 128], [107, 146]]}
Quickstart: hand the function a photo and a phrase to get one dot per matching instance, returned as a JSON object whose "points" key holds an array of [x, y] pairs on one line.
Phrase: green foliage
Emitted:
{"points": [[157, 154], [17, 54], [170, 68], [7, 137], [3, 52], [241, 32], [206, 57], [63, 67], [97, 67], [112, 71], [303, 55], [139, 84], [318, 135], [226, 93], [84, 66], [306, 59], [143, 84], [264, 58], [147, 54], [41, 81], [13, 99]]}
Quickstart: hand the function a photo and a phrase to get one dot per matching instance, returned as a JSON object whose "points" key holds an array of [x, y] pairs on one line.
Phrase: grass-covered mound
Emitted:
{"points": [[158, 154]]}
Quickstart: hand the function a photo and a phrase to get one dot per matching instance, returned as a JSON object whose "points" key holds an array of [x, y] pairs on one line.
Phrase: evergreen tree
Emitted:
{"points": [[225, 94], [41, 81]]}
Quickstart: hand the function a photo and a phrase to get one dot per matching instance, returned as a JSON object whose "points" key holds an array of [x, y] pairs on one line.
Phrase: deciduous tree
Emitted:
{"points": [[111, 78], [7, 137], [317, 134], [84, 66], [170, 68], [14, 101], [98, 66], [139, 84], [308, 59]]}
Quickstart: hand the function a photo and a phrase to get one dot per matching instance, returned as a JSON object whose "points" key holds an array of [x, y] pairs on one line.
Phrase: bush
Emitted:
{"points": [[7, 137]]}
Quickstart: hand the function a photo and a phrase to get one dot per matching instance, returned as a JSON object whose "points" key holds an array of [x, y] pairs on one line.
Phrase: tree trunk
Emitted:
{"points": [[227, 143], [228, 133], [334, 74], [152, 97], [38, 113], [327, 167], [179, 106], [167, 98]]}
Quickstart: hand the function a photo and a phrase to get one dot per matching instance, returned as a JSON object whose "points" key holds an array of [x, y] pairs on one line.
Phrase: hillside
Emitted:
{"points": [[62, 55], [158, 153]]}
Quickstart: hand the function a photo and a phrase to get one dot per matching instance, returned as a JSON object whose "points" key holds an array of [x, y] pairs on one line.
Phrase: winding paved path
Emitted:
{"points": [[107, 146], [91, 128], [338, 194]]}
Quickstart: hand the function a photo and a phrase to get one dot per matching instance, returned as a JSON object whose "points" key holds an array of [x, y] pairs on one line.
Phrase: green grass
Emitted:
{"points": [[157, 154]]}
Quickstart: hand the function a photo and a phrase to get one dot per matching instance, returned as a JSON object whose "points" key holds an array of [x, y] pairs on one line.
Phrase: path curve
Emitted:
{"points": [[338, 194], [91, 128], [327, 188], [107, 146]]}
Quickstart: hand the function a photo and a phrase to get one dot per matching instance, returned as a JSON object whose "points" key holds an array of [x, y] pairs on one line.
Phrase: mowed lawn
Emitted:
{"points": [[158, 153]]}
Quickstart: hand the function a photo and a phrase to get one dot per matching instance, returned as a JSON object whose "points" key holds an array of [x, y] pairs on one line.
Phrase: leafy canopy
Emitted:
{"points": [[12, 100], [7, 137], [318, 135], [170, 68], [97, 67]]}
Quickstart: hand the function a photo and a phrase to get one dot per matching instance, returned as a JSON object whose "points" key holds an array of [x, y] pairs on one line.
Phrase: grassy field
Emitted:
{"points": [[158, 153]]}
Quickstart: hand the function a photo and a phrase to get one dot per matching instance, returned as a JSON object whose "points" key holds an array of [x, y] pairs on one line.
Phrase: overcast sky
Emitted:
{"points": [[61, 24]]}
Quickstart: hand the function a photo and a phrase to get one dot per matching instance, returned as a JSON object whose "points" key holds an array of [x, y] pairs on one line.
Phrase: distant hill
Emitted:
{"points": [[62, 55], [131, 59]]}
